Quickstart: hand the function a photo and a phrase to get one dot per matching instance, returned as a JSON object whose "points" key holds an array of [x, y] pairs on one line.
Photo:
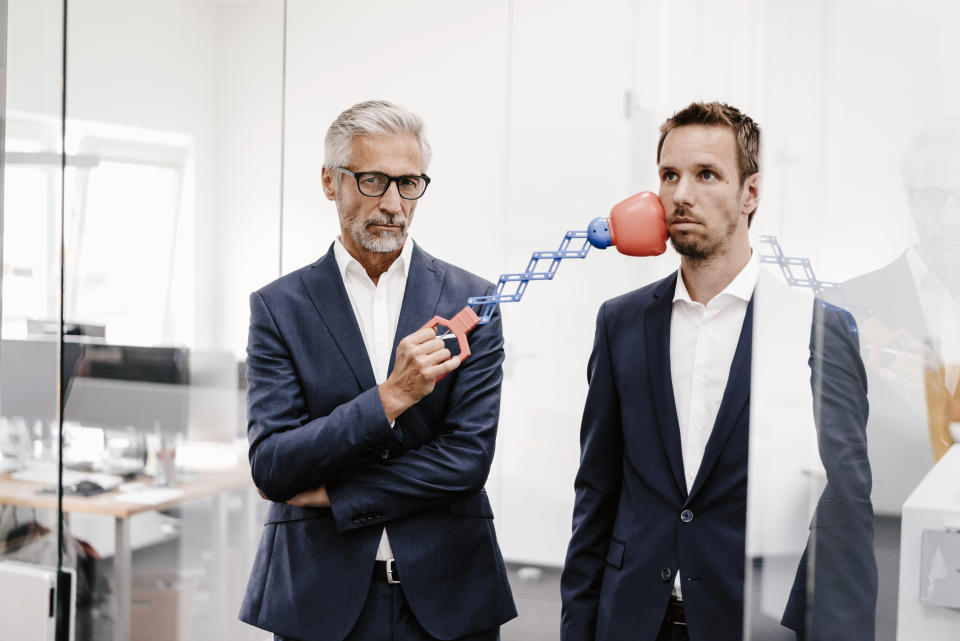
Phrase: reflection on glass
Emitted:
{"points": [[150, 394], [908, 311]]}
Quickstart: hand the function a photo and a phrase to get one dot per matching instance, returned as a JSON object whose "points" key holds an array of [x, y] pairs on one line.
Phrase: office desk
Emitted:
{"points": [[195, 487]]}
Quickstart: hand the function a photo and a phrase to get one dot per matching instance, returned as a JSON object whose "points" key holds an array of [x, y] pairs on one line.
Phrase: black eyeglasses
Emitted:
{"points": [[376, 184], [932, 199]]}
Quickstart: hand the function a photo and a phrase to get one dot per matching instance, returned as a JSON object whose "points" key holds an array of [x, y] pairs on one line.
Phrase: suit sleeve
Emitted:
{"points": [[454, 464], [839, 551], [597, 487], [289, 453]]}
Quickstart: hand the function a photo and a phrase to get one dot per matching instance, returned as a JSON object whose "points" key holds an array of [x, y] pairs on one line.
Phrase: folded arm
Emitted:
{"points": [[454, 464], [290, 453]]}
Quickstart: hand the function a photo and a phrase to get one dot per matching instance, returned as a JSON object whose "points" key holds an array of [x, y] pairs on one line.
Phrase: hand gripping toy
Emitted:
{"points": [[636, 227]]}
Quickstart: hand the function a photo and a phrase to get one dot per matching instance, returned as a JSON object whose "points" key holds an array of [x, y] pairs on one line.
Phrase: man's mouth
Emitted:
{"points": [[386, 226], [680, 218]]}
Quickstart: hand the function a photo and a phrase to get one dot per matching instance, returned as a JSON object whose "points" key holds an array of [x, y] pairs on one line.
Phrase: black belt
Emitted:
{"points": [[386, 571], [675, 613]]}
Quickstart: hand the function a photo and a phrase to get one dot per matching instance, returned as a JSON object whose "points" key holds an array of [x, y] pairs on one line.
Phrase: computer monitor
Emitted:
{"points": [[108, 386]]}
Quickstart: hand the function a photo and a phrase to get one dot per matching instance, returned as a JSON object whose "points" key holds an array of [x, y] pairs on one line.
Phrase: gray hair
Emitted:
{"points": [[943, 131], [371, 118]]}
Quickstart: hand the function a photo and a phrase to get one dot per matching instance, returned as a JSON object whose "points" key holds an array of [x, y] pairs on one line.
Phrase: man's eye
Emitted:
{"points": [[370, 180], [669, 176], [706, 174]]}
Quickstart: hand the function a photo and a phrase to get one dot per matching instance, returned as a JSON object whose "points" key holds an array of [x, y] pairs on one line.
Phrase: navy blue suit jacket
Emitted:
{"points": [[629, 538], [315, 417]]}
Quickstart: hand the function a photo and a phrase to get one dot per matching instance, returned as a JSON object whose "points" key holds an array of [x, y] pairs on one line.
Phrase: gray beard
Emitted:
{"points": [[382, 242], [379, 242]]}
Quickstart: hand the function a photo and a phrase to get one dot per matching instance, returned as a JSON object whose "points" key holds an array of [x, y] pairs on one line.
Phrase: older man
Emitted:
{"points": [[379, 526]]}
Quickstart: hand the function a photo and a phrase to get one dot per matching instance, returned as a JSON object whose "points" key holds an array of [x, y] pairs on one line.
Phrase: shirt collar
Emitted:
{"points": [[923, 276], [741, 286], [346, 261]]}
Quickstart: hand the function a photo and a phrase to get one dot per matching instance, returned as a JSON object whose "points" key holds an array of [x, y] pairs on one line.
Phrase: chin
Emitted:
{"points": [[383, 243]]}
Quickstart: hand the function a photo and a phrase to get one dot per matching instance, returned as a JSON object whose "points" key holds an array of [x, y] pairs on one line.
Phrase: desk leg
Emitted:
{"points": [[122, 579], [220, 555]]}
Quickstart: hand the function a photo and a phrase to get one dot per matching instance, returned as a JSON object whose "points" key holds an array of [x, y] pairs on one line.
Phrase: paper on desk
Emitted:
{"points": [[150, 495]]}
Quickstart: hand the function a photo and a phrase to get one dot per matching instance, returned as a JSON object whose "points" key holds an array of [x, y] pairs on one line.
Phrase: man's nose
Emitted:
{"points": [[390, 201], [683, 193]]}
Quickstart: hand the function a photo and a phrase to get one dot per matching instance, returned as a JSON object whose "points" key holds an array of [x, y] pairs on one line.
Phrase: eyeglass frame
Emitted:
{"points": [[912, 191], [390, 180]]}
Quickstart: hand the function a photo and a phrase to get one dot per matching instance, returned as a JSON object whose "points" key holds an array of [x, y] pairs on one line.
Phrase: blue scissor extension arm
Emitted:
{"points": [[806, 277], [485, 305]]}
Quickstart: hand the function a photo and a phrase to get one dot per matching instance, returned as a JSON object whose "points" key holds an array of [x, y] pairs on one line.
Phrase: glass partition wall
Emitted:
{"points": [[124, 301], [31, 197], [161, 160]]}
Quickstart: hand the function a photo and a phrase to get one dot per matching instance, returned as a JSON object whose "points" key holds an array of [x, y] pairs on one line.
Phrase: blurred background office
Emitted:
{"points": [[161, 159]]}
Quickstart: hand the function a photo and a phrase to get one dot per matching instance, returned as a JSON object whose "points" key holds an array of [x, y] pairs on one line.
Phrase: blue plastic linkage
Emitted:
{"points": [[485, 305], [807, 278]]}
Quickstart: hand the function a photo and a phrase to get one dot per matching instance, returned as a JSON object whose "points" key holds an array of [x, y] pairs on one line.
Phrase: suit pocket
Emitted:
{"points": [[615, 553], [476, 505], [283, 512]]}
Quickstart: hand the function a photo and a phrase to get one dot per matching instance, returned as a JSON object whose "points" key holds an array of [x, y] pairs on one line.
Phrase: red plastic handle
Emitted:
{"points": [[460, 325]]}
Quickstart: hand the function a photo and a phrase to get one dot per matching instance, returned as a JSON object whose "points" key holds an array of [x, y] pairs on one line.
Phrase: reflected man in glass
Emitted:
{"points": [[909, 311], [379, 526], [658, 544]]}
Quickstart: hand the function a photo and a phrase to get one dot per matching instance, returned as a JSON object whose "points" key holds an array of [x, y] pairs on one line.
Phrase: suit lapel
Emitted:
{"points": [[657, 330], [325, 288], [735, 399], [420, 297]]}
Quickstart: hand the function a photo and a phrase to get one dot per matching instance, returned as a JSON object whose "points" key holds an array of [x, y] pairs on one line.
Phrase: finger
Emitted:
{"points": [[437, 357], [432, 347], [421, 336], [445, 367]]}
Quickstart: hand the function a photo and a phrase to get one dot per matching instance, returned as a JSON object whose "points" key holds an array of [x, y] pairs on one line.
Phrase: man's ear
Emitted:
{"points": [[328, 180], [751, 193]]}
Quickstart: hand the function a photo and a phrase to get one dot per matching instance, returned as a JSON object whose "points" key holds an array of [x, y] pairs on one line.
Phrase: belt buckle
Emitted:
{"points": [[390, 568]]}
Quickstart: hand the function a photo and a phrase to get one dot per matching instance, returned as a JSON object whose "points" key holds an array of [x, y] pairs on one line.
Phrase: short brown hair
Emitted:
{"points": [[718, 114]]}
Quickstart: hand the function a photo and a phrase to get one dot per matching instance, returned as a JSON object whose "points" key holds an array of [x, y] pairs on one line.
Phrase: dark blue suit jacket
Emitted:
{"points": [[628, 535], [315, 417]]}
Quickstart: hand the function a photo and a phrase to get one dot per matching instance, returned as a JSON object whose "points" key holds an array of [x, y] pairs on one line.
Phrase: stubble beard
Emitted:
{"points": [[377, 242], [693, 246]]}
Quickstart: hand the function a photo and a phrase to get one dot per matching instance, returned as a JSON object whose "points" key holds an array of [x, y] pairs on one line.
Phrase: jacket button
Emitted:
{"points": [[686, 516], [356, 521], [665, 575]]}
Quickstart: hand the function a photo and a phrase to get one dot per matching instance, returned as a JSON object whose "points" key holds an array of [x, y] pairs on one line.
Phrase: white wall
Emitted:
{"points": [[209, 72], [559, 102]]}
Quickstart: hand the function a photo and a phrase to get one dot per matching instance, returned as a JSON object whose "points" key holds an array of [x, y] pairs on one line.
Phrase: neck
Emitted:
{"points": [[708, 277]]}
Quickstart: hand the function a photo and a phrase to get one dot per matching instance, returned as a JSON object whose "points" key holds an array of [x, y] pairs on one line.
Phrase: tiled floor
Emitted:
{"points": [[537, 594], [536, 590]]}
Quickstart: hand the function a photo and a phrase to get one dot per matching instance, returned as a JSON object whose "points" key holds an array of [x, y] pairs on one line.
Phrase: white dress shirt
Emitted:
{"points": [[377, 310], [703, 339], [940, 312]]}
